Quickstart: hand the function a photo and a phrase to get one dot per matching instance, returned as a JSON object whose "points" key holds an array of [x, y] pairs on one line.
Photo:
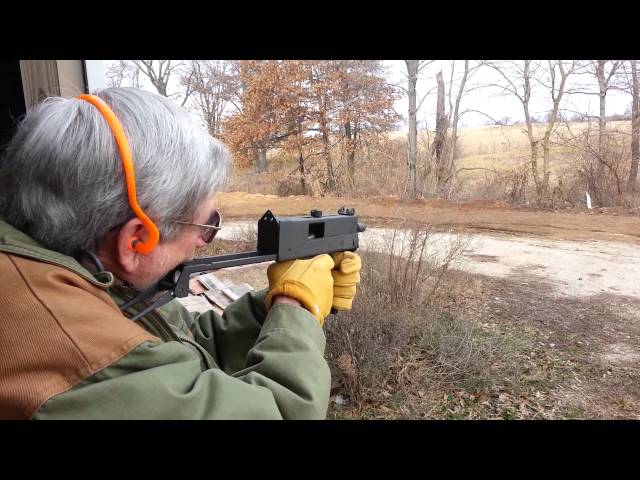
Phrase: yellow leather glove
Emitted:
{"points": [[346, 276], [308, 281]]}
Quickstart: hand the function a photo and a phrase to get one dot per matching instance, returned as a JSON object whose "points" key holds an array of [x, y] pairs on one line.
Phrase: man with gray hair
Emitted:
{"points": [[101, 196]]}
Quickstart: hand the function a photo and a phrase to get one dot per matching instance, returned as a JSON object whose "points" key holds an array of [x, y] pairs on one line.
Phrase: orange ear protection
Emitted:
{"points": [[127, 163]]}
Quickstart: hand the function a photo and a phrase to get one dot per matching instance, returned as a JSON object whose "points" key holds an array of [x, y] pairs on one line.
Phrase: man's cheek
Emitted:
{"points": [[188, 252]]}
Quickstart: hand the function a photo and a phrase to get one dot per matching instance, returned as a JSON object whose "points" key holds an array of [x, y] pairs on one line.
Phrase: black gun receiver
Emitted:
{"points": [[279, 239]]}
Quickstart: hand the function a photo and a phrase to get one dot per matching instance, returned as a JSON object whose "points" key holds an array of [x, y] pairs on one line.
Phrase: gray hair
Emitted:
{"points": [[62, 180]]}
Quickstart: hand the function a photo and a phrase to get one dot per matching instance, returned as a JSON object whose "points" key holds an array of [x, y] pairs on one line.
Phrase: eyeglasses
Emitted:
{"points": [[209, 230]]}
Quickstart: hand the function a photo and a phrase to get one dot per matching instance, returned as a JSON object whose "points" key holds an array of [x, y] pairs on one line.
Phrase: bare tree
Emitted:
{"points": [[115, 73], [599, 69], [629, 84], [412, 153], [437, 152], [519, 79], [556, 88], [632, 183], [454, 111], [454, 114], [159, 73], [604, 84], [446, 170], [122, 73], [213, 84], [605, 73], [413, 70]]}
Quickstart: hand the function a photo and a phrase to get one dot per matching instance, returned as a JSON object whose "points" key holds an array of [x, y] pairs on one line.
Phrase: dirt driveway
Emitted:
{"points": [[619, 225], [572, 268]]}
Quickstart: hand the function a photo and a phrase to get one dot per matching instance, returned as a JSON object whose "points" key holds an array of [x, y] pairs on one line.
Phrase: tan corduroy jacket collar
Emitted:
{"points": [[15, 242]]}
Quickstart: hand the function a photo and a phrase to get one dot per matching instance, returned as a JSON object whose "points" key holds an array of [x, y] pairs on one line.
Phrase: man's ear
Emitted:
{"points": [[131, 232]]}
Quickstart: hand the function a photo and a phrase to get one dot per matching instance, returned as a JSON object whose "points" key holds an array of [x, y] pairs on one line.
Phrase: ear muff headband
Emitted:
{"points": [[127, 163]]}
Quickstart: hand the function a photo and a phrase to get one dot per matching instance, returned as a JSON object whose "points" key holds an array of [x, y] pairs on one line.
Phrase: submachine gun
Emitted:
{"points": [[279, 239]]}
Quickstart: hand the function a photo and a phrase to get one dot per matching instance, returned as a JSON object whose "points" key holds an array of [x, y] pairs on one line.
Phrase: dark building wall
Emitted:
{"points": [[12, 104]]}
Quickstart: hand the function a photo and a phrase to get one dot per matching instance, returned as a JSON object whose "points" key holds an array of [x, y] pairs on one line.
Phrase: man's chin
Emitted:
{"points": [[150, 282], [147, 283]]}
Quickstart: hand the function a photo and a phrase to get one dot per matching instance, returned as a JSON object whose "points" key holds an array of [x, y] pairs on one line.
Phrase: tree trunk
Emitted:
{"points": [[602, 124], [553, 118], [301, 167], [261, 160], [533, 143], [326, 147], [351, 153], [212, 126], [437, 149], [602, 129], [451, 167], [546, 161], [635, 129], [412, 153], [534, 167], [161, 87]]}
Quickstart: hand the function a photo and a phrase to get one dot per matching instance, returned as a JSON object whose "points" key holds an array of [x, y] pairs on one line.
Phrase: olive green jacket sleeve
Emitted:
{"points": [[282, 375], [229, 337]]}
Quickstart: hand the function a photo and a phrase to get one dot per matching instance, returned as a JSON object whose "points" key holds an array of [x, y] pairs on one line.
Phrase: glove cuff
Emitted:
{"points": [[297, 291]]}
